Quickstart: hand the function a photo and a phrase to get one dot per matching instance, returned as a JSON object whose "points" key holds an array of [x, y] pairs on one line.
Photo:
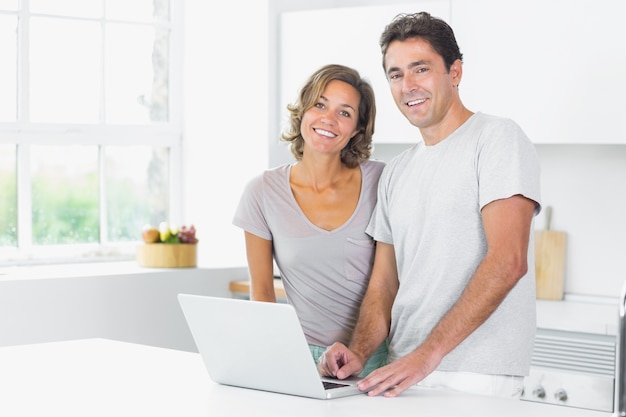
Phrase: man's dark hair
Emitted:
{"points": [[422, 25]]}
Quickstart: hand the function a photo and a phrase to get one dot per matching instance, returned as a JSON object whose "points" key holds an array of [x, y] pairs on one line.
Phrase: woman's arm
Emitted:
{"points": [[259, 252]]}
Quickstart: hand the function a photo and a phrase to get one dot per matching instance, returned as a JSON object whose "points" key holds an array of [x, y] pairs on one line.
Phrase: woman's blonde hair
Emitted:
{"points": [[359, 148]]}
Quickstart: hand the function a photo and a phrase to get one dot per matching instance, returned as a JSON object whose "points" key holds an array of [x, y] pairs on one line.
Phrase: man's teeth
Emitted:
{"points": [[325, 133], [415, 102]]}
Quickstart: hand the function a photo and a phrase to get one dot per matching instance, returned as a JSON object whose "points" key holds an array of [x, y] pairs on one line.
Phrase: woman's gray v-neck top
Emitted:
{"points": [[325, 273]]}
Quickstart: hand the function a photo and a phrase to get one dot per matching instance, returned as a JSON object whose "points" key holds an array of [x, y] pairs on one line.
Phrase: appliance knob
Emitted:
{"points": [[560, 395], [539, 392]]}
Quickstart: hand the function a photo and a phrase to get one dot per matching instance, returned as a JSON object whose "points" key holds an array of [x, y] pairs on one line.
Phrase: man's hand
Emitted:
{"points": [[339, 362], [393, 379]]}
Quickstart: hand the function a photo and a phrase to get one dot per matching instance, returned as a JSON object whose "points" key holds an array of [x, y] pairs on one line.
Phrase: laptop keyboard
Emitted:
{"points": [[331, 385]]}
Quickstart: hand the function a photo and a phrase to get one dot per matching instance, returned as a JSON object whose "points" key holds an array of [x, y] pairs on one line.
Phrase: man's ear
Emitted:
{"points": [[456, 72]]}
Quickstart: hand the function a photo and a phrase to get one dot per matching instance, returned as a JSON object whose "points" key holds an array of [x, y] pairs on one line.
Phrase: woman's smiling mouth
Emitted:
{"points": [[325, 133]]}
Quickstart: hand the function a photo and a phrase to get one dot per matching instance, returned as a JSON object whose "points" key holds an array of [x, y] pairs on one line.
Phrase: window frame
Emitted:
{"points": [[25, 134]]}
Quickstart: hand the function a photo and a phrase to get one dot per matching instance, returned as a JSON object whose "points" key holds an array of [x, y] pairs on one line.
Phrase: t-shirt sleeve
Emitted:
{"points": [[508, 165], [379, 227], [250, 214]]}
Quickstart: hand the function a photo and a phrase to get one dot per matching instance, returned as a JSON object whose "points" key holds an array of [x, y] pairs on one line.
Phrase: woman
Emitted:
{"points": [[310, 216]]}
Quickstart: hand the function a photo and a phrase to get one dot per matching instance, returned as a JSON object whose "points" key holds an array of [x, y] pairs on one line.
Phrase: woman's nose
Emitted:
{"points": [[328, 118]]}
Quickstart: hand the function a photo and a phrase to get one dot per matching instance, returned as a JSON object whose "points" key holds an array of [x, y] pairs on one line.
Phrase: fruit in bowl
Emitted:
{"points": [[187, 234], [164, 231], [168, 246], [167, 233], [150, 234]]}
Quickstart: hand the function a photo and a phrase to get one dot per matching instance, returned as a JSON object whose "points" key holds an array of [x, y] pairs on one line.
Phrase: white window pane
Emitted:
{"points": [[8, 4], [137, 189], [76, 8], [65, 71], [64, 194], [138, 10], [8, 196], [136, 74], [8, 69]]}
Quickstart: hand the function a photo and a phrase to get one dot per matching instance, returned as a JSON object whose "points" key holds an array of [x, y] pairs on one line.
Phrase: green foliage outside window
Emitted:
{"points": [[8, 209], [65, 212]]}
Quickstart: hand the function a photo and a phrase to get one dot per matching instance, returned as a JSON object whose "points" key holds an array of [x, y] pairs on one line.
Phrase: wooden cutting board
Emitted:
{"points": [[550, 249]]}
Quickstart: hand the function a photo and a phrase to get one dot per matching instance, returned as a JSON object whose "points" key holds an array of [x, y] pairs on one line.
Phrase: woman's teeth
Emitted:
{"points": [[325, 133]]}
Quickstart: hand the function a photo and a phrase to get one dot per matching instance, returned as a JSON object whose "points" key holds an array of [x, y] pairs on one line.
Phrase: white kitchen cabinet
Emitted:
{"points": [[348, 36], [555, 66]]}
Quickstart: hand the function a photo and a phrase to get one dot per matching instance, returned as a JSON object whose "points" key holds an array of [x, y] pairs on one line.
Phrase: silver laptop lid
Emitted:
{"points": [[254, 345]]}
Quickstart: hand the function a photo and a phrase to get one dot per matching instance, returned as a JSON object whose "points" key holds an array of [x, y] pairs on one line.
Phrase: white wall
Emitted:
{"points": [[225, 119]]}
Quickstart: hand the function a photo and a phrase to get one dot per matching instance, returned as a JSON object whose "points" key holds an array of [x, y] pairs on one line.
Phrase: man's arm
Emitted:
{"points": [[259, 252], [372, 327], [507, 228]]}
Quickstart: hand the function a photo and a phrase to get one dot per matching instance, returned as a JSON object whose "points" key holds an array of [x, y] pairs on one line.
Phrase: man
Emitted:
{"points": [[453, 286]]}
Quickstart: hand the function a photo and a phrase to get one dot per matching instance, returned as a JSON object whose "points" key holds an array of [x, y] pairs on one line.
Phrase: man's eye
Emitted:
{"points": [[394, 76], [421, 70]]}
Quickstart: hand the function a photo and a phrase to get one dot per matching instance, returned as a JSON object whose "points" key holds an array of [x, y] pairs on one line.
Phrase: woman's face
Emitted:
{"points": [[328, 126]]}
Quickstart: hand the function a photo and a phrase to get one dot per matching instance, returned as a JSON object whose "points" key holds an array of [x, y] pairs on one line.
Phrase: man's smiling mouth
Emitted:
{"points": [[415, 102], [325, 133]]}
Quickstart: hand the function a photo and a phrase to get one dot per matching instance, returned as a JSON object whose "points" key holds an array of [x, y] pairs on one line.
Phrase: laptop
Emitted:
{"points": [[257, 345]]}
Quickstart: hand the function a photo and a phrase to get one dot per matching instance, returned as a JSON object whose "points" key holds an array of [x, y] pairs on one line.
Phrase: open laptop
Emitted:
{"points": [[257, 345]]}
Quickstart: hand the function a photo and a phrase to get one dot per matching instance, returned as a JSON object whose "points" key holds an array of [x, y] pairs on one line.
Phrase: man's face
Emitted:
{"points": [[421, 86]]}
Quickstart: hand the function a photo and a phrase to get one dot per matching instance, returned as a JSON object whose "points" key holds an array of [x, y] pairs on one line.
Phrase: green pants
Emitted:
{"points": [[378, 359]]}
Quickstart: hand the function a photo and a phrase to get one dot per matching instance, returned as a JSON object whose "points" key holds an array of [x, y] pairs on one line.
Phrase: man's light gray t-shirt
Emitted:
{"points": [[429, 207], [325, 273]]}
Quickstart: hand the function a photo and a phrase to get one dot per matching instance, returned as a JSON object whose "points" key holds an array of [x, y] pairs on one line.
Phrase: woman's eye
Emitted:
{"points": [[345, 114], [319, 105]]}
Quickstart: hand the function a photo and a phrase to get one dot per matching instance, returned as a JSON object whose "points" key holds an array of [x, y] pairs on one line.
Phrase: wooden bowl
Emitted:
{"points": [[167, 255]]}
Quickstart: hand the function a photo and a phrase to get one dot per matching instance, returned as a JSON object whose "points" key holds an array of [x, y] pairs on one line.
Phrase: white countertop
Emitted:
{"points": [[99, 377]]}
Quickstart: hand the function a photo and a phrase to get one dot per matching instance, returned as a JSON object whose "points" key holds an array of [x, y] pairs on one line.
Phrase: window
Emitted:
{"points": [[89, 140]]}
